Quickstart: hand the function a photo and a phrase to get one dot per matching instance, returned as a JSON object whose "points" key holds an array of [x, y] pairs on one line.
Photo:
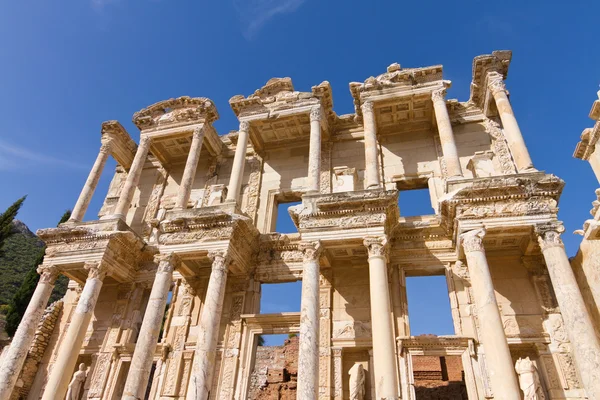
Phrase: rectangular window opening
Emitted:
{"points": [[283, 220], [415, 202], [280, 297], [275, 367], [429, 309]]}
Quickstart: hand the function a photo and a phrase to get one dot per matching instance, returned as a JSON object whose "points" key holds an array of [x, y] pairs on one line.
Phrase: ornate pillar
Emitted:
{"points": [[237, 170], [15, 356], [499, 362], [141, 362], [509, 123], [384, 352], [586, 347], [446, 134], [338, 390], [314, 154], [92, 181], [371, 149], [208, 329], [133, 178], [189, 173], [58, 381], [308, 354]]}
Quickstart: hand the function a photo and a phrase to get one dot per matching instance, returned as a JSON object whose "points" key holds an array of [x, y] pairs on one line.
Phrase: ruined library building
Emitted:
{"points": [[164, 297]]}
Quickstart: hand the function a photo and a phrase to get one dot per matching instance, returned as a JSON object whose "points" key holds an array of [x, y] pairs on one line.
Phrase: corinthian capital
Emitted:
{"points": [[48, 273], [167, 262], [244, 126], [367, 107], [145, 140], [107, 143], [473, 240], [315, 114], [198, 132], [96, 269], [549, 234], [220, 259], [310, 250], [438, 95], [377, 246], [496, 84]]}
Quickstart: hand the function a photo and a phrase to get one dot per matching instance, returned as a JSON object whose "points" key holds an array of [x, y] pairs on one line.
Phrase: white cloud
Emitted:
{"points": [[254, 14], [13, 157]]}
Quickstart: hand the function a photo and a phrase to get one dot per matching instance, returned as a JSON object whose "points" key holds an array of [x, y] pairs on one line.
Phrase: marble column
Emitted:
{"points": [[512, 132], [498, 360], [308, 353], [191, 165], [63, 367], [208, 329], [14, 357], [372, 179], [384, 352], [314, 154], [92, 181], [133, 178], [239, 160], [578, 323], [143, 355], [442, 118]]}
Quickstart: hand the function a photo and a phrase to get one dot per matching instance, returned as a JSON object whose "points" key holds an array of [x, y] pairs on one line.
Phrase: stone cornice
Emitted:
{"points": [[497, 62], [587, 145], [122, 146], [183, 110]]}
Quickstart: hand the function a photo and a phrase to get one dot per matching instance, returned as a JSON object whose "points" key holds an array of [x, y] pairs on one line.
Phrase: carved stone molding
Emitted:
{"points": [[96, 269], [315, 114], [438, 95], [48, 273], [549, 234], [220, 260], [377, 246], [473, 240], [167, 262], [310, 250]]}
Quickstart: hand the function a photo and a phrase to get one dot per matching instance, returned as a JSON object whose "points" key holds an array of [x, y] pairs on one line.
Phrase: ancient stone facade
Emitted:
{"points": [[165, 285]]}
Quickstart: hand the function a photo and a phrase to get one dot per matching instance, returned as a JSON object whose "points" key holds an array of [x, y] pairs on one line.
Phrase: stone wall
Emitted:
{"points": [[275, 372], [438, 377]]}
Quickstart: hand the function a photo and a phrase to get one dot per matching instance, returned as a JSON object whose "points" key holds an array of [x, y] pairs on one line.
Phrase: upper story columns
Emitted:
{"points": [[513, 134], [133, 178], [314, 153], [191, 165], [372, 177], [239, 161], [446, 134]]}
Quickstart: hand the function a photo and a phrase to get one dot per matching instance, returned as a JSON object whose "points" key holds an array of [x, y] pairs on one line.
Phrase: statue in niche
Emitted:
{"points": [[529, 379], [357, 382], [76, 385]]}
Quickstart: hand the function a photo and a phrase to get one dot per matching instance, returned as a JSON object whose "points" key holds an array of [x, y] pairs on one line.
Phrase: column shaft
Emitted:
{"points": [[314, 156], [16, 354], [578, 323], [133, 178], [90, 184], [308, 355], [63, 367], [372, 177], [143, 355], [208, 330], [191, 165], [239, 160], [513, 134], [384, 352], [446, 134], [499, 362]]}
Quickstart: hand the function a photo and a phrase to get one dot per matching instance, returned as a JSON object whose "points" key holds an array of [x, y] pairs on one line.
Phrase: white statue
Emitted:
{"points": [[357, 382], [76, 384], [529, 380]]}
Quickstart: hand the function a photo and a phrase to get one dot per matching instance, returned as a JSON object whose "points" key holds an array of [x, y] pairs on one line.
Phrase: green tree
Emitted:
{"points": [[20, 301], [261, 340], [6, 219]]}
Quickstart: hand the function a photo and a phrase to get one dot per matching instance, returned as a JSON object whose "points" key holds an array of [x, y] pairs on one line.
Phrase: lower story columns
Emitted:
{"points": [[308, 355]]}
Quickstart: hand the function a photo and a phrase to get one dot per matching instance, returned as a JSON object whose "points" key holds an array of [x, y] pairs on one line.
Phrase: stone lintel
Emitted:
{"points": [[123, 147]]}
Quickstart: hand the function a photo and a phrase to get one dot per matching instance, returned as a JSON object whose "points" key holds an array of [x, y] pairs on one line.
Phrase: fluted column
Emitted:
{"points": [[446, 134], [239, 160], [143, 355], [499, 362], [133, 178], [61, 371], [16, 354], [384, 354], [586, 347], [314, 154], [92, 181], [513, 134], [208, 330], [308, 354], [191, 165], [371, 149]]}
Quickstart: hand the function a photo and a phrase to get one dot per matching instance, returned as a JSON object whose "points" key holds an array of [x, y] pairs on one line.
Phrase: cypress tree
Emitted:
{"points": [[6, 219]]}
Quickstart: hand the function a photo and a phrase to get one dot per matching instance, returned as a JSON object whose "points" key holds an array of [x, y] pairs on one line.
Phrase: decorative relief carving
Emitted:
{"points": [[500, 147], [367, 107], [377, 246], [310, 250], [496, 84], [549, 235], [315, 114], [473, 240], [96, 270], [460, 269], [255, 164], [220, 260], [48, 273], [244, 126], [439, 95]]}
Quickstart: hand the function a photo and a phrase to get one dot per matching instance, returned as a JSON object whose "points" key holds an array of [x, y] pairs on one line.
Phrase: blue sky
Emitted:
{"points": [[68, 66]]}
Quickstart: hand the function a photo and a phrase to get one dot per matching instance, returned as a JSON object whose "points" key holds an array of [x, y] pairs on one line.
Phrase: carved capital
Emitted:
{"points": [[315, 114], [549, 234], [439, 95], [473, 240], [96, 269], [220, 260], [310, 250], [106, 146], [198, 133], [367, 107], [496, 84], [167, 262], [145, 140], [48, 273], [244, 126], [377, 246]]}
